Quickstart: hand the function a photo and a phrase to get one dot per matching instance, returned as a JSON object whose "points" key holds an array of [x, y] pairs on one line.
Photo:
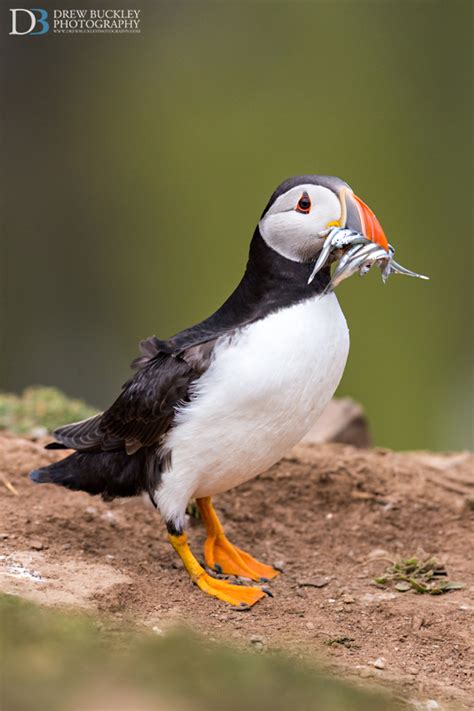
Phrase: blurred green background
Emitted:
{"points": [[136, 167]]}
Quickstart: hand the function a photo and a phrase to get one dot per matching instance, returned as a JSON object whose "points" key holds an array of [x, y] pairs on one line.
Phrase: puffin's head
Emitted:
{"points": [[302, 208]]}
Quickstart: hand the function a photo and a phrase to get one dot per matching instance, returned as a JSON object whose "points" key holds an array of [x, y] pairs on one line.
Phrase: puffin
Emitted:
{"points": [[222, 401]]}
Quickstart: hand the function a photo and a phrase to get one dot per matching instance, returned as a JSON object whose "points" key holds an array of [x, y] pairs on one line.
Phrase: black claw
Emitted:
{"points": [[218, 568], [267, 591], [264, 580]]}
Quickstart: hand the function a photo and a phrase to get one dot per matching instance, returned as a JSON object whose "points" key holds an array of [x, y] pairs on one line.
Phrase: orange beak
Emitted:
{"points": [[361, 219]]}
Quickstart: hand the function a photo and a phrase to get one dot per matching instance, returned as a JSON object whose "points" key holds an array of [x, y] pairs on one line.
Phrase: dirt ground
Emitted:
{"points": [[328, 515]]}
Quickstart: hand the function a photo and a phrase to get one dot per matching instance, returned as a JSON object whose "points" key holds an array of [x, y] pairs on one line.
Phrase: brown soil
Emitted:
{"points": [[327, 511]]}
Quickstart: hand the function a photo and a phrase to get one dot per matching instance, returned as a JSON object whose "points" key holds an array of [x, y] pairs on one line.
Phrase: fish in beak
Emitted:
{"points": [[359, 242]]}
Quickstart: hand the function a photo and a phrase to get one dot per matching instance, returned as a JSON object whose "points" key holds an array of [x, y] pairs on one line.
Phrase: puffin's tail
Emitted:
{"points": [[110, 474]]}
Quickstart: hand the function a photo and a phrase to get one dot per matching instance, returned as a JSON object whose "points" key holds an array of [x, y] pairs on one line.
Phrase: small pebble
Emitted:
{"points": [[310, 625], [378, 553], [432, 705], [317, 582], [4, 536], [38, 432], [379, 663], [347, 599], [36, 544], [257, 642]]}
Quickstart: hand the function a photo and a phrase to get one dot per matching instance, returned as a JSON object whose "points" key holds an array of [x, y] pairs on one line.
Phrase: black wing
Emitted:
{"points": [[145, 409]]}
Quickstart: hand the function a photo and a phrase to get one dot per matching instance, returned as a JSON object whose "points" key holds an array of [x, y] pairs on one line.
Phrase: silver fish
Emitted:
{"points": [[398, 269], [361, 256], [353, 265], [337, 238], [378, 256], [349, 254]]}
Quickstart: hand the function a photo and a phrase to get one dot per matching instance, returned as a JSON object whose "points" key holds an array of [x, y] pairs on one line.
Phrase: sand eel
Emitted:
{"points": [[222, 401]]}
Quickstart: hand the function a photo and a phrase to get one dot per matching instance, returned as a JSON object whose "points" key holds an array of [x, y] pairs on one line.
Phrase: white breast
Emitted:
{"points": [[263, 391]]}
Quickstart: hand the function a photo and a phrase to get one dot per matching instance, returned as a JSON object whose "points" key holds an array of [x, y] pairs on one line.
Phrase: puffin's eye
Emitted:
{"points": [[304, 204]]}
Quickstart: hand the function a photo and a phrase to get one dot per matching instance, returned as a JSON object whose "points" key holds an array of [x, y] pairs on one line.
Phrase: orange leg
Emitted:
{"points": [[223, 557], [237, 595]]}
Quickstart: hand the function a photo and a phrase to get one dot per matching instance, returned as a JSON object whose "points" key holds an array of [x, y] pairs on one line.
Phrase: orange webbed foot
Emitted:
{"points": [[237, 595], [222, 556]]}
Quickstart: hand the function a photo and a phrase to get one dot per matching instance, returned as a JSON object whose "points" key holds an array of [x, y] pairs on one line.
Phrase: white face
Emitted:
{"points": [[292, 225]]}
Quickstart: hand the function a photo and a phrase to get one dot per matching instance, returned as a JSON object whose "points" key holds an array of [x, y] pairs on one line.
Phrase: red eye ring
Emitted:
{"points": [[304, 204]]}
